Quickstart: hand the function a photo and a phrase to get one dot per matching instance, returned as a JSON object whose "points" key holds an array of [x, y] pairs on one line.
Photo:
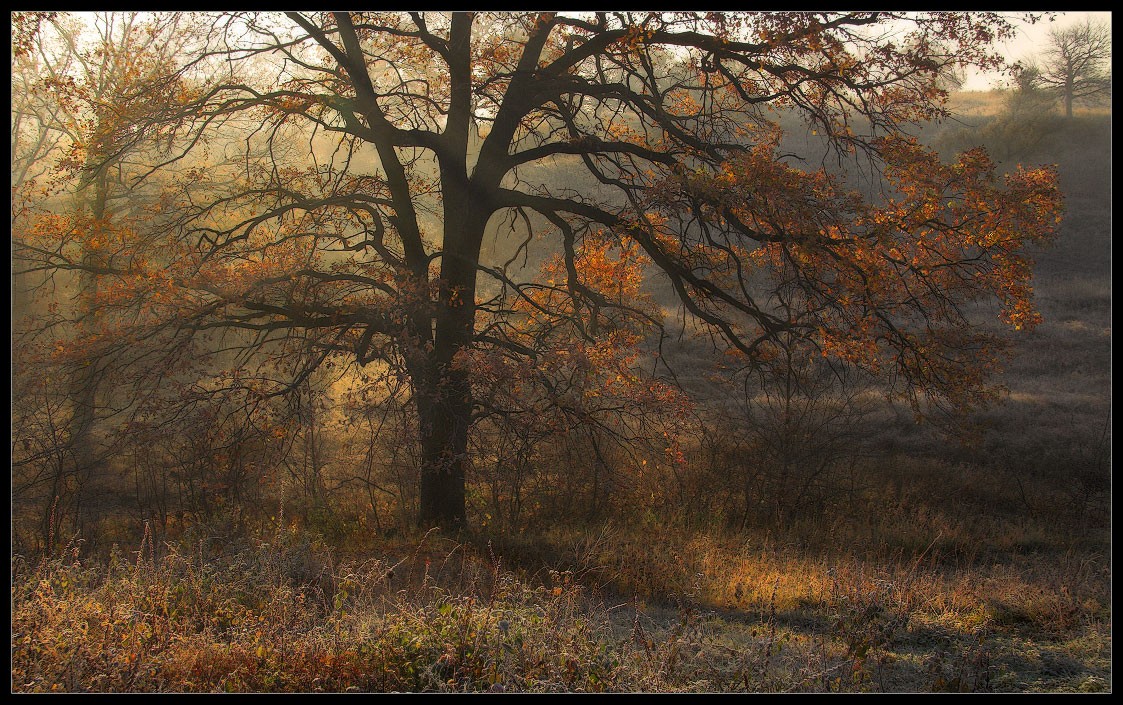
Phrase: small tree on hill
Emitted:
{"points": [[1077, 63]]}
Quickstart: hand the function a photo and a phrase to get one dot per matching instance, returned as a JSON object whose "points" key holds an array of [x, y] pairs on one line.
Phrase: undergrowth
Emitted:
{"points": [[606, 610]]}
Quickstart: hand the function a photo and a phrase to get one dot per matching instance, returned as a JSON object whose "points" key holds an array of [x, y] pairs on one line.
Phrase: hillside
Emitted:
{"points": [[781, 531]]}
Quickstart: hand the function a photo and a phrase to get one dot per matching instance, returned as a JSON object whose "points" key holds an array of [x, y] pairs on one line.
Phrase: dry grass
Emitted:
{"points": [[287, 618], [612, 609]]}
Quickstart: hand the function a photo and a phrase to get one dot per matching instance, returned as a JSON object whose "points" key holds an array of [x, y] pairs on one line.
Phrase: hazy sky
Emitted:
{"points": [[1032, 41]]}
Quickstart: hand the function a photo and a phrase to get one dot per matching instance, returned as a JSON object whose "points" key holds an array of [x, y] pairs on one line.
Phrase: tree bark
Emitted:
{"points": [[83, 381], [443, 388], [444, 414], [443, 394]]}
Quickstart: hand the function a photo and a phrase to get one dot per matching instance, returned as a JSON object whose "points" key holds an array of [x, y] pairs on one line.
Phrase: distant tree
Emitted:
{"points": [[1077, 63], [78, 85], [667, 128]]}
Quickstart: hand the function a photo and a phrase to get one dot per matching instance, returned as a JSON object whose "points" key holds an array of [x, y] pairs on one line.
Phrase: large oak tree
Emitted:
{"points": [[380, 149]]}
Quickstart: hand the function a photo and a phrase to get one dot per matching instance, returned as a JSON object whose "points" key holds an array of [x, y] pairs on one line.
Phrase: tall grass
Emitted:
{"points": [[607, 610]]}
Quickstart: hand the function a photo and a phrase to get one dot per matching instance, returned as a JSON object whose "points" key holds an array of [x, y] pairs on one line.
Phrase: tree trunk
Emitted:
{"points": [[444, 413], [444, 397], [83, 382], [442, 388]]}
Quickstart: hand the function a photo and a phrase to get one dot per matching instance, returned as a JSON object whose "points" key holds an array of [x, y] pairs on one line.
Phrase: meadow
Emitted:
{"points": [[910, 563]]}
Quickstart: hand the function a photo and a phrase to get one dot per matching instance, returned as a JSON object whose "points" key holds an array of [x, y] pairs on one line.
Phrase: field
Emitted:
{"points": [[919, 565]]}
